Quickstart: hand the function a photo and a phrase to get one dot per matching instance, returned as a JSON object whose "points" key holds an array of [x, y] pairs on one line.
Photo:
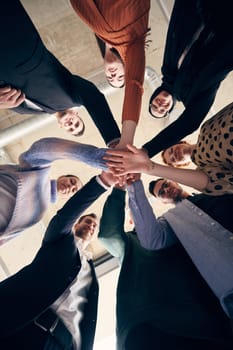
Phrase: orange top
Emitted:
{"points": [[123, 24]]}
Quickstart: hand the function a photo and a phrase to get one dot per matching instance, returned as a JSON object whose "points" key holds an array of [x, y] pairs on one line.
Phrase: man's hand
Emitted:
{"points": [[131, 178], [123, 162], [10, 97], [108, 178]]}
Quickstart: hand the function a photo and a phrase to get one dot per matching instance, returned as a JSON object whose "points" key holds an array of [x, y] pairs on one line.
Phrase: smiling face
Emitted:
{"points": [[168, 191], [67, 185], [161, 104], [114, 69], [71, 122], [85, 229], [178, 155]]}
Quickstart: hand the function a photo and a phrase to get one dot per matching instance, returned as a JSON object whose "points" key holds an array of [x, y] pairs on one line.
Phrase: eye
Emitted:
{"points": [[73, 181], [109, 78], [161, 192], [121, 77]]}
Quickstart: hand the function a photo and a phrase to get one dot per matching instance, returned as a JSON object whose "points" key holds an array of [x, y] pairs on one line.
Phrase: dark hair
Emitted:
{"points": [[93, 215], [155, 93], [152, 185], [116, 87], [70, 175]]}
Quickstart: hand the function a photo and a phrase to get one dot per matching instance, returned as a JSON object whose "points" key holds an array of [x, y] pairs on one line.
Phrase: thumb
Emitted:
{"points": [[132, 148]]}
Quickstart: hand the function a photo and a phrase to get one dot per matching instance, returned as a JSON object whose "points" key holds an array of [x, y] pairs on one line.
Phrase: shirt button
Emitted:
{"points": [[200, 214], [212, 223]]}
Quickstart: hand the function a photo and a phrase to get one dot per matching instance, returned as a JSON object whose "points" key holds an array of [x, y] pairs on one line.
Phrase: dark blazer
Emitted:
{"points": [[26, 64], [196, 81], [28, 293], [160, 288]]}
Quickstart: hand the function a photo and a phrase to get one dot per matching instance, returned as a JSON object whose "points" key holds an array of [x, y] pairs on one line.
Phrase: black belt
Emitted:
{"points": [[49, 322]]}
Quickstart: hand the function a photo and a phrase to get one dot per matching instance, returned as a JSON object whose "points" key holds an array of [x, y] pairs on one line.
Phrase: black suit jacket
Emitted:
{"points": [[28, 293], [160, 288], [196, 81], [26, 64]]}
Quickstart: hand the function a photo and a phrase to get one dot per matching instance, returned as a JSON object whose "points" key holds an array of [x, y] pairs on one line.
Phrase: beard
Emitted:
{"points": [[83, 233]]}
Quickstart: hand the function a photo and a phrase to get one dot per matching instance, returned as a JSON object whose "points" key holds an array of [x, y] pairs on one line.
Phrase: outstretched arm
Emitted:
{"points": [[63, 221], [111, 233], [45, 151], [152, 233], [135, 161], [29, 290], [134, 77], [96, 104], [187, 122]]}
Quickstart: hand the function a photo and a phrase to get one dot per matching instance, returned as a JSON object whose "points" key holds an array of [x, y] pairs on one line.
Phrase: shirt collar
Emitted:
{"points": [[82, 248]]}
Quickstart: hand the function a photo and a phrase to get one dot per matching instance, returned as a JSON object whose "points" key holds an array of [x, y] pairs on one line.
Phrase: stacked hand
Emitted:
{"points": [[132, 160], [109, 179], [10, 97]]}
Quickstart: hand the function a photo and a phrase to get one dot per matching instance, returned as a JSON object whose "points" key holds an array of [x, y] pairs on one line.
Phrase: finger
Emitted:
{"points": [[113, 160], [5, 89], [114, 152], [117, 171], [114, 164], [19, 100], [132, 148], [122, 180], [13, 93]]}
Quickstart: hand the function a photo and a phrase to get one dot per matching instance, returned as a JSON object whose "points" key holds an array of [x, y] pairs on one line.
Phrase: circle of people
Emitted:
{"points": [[175, 288]]}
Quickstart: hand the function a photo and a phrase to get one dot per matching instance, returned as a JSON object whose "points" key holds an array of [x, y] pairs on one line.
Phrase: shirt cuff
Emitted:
{"points": [[100, 182]]}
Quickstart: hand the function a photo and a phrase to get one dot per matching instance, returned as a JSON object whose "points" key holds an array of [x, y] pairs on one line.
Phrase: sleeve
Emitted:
{"points": [[96, 104], [111, 232], [134, 77], [45, 151], [184, 22], [153, 233], [63, 221], [23, 288], [187, 123]]}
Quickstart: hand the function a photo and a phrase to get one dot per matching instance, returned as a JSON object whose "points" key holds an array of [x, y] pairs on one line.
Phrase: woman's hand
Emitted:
{"points": [[132, 160]]}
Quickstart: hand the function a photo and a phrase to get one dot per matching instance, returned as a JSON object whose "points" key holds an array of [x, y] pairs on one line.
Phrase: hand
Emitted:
{"points": [[132, 161], [10, 97], [131, 178], [108, 178]]}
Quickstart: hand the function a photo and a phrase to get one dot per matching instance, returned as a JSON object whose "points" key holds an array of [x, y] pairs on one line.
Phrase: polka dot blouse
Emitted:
{"points": [[214, 152]]}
